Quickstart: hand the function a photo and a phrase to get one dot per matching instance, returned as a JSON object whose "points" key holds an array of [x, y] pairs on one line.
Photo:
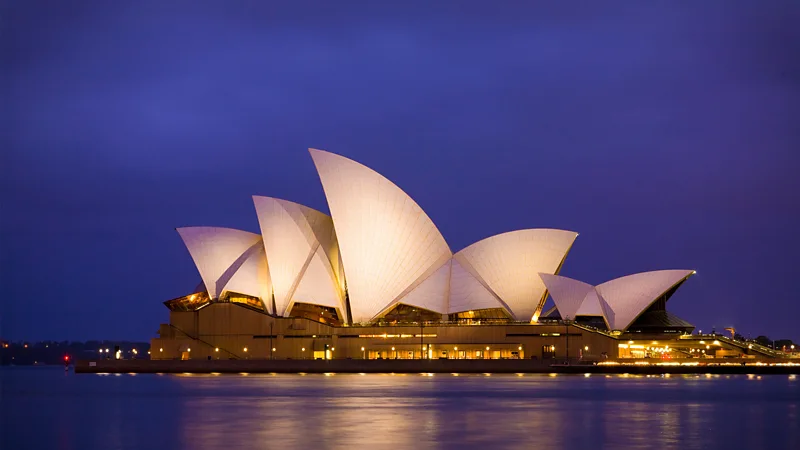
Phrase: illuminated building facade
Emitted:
{"points": [[376, 279]]}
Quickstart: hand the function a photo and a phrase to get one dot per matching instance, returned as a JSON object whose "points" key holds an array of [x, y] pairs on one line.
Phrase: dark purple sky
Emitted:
{"points": [[666, 133]]}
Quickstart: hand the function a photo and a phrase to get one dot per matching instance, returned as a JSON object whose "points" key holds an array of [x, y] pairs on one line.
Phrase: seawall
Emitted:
{"points": [[428, 366]]}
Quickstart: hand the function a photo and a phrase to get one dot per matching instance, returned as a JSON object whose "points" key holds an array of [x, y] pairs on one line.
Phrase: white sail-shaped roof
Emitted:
{"points": [[431, 293], [608, 312], [386, 240], [568, 294], [252, 277], [299, 243], [628, 297], [218, 253], [510, 264], [467, 293], [591, 305], [317, 286]]}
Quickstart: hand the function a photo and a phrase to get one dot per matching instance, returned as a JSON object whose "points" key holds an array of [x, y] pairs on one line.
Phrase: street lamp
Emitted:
{"points": [[363, 353], [395, 353]]}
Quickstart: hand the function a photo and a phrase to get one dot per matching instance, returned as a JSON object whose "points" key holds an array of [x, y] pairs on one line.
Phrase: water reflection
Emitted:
{"points": [[398, 411], [347, 411]]}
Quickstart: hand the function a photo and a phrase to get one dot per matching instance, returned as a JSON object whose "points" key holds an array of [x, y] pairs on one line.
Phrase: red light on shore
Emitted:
{"points": [[66, 358]]}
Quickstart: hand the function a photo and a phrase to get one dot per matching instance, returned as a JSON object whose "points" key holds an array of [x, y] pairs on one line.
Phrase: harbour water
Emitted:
{"points": [[46, 408]]}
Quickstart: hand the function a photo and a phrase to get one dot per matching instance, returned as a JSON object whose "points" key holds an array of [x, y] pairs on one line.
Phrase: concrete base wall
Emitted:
{"points": [[228, 331]]}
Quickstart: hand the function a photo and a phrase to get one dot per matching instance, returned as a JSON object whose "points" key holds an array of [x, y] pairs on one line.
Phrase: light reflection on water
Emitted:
{"points": [[45, 409]]}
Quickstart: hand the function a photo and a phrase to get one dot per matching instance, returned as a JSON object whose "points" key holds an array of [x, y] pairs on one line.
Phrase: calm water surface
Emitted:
{"points": [[44, 408]]}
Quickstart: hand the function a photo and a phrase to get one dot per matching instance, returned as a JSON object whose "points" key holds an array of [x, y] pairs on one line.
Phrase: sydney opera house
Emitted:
{"points": [[376, 279]]}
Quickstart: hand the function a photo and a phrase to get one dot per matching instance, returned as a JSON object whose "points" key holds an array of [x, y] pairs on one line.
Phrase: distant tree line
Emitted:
{"points": [[26, 353], [779, 344]]}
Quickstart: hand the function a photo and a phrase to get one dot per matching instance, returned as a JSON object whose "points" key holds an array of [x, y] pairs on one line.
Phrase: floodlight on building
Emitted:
{"points": [[245, 349], [586, 348]]}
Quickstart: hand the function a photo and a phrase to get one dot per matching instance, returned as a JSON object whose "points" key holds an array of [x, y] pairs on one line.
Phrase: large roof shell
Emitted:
{"points": [[387, 242], [300, 244], [218, 253], [468, 293], [509, 264], [624, 299], [568, 294], [591, 305], [431, 293], [252, 277]]}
